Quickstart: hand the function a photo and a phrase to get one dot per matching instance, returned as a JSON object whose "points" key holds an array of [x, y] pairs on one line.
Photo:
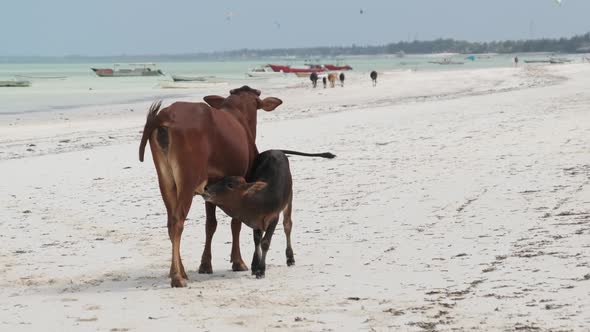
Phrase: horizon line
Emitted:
{"points": [[222, 52]]}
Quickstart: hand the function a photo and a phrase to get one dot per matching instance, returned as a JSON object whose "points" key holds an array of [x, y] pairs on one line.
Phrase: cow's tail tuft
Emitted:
{"points": [[151, 123]]}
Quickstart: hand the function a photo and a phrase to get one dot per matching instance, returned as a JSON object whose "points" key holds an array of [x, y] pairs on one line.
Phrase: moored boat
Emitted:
{"points": [[136, 69], [447, 62], [184, 78], [559, 60], [537, 61], [40, 77], [288, 69], [302, 74], [264, 71], [279, 68], [189, 84], [15, 84], [337, 68]]}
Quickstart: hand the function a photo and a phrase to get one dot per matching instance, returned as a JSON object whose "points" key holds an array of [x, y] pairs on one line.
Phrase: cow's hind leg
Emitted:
{"points": [[264, 245], [175, 228], [288, 225], [168, 190], [210, 227], [171, 222], [236, 256]]}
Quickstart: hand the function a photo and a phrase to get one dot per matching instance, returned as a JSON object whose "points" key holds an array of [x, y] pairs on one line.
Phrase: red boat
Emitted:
{"points": [[288, 69], [279, 68], [336, 68]]}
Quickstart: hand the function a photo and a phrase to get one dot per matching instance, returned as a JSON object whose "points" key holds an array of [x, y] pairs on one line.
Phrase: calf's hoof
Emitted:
{"points": [[290, 258], [259, 274], [290, 261], [205, 268], [178, 282], [239, 266]]}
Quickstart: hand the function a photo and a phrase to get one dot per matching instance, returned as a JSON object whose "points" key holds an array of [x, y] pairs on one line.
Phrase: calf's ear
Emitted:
{"points": [[255, 187], [270, 103], [214, 101]]}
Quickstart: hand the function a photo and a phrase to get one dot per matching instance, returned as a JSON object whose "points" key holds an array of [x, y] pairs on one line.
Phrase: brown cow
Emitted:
{"points": [[332, 77], [194, 143], [259, 202]]}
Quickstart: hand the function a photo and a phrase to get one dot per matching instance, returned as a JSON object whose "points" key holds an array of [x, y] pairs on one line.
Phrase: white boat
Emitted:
{"points": [[189, 85], [447, 61], [40, 77], [303, 74], [559, 60], [188, 78], [263, 72]]}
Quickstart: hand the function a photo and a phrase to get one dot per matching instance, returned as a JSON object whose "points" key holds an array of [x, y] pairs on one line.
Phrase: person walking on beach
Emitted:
{"points": [[342, 79], [314, 79], [374, 77], [516, 61], [325, 81]]}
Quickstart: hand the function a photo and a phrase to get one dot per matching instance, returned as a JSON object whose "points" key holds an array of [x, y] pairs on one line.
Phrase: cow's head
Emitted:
{"points": [[247, 101]]}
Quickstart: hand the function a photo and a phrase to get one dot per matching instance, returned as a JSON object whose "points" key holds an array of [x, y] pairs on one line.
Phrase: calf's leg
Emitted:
{"points": [[264, 245], [257, 234], [288, 225]]}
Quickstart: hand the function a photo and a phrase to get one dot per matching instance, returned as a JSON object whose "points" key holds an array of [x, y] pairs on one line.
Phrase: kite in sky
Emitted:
{"points": [[230, 15]]}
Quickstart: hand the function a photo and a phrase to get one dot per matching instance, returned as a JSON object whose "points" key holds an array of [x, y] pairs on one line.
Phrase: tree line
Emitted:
{"points": [[580, 43]]}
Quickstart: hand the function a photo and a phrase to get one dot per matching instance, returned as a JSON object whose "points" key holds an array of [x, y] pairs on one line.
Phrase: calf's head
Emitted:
{"points": [[247, 101], [232, 193]]}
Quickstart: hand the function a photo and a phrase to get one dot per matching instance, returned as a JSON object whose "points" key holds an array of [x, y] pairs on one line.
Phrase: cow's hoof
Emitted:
{"points": [[259, 274], [205, 268], [182, 273], [290, 261], [178, 282], [239, 266]]}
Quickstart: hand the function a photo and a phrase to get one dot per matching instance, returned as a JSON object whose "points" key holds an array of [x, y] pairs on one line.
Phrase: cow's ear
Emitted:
{"points": [[270, 103], [214, 101], [252, 188]]}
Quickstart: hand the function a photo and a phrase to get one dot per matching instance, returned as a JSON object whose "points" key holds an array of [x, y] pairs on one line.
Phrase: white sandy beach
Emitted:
{"points": [[459, 200]]}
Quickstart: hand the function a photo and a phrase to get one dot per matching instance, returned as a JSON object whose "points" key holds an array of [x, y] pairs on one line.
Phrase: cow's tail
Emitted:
{"points": [[151, 124], [327, 155]]}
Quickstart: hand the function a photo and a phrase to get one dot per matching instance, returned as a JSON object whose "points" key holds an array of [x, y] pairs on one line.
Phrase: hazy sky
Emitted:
{"points": [[112, 27]]}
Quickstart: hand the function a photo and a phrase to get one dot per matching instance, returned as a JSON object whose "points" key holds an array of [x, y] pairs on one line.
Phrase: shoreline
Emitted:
{"points": [[122, 122]]}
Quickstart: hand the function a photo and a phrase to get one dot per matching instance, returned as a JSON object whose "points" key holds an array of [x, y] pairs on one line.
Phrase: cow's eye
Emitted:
{"points": [[230, 185]]}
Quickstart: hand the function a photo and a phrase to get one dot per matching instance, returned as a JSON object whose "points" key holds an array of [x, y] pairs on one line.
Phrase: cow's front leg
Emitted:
{"points": [[236, 257], [210, 227]]}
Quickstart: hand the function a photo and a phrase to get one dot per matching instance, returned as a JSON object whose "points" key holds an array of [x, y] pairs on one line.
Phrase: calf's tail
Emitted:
{"points": [[297, 153], [151, 123]]}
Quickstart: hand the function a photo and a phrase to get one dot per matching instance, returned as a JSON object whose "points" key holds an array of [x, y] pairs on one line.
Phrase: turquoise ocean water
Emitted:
{"points": [[81, 87]]}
